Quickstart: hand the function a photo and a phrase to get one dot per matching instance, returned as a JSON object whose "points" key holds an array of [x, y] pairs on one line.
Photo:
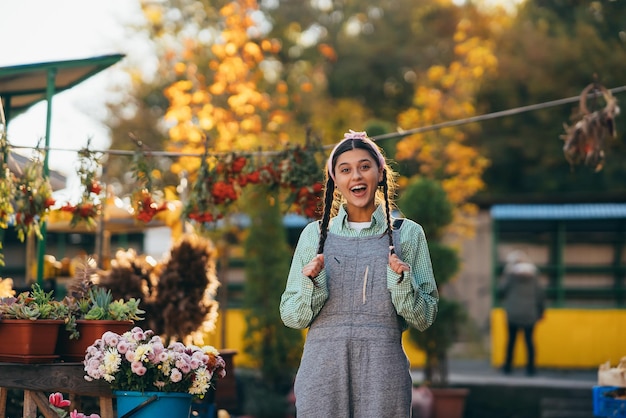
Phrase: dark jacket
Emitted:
{"points": [[523, 295]]}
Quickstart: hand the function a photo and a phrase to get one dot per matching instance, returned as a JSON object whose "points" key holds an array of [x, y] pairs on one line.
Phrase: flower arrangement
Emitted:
{"points": [[138, 361], [57, 403]]}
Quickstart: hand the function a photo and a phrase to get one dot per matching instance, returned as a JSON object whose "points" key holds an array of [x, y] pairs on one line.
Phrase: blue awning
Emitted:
{"points": [[559, 211]]}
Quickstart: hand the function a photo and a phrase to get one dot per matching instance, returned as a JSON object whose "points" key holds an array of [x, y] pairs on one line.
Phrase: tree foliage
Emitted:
{"points": [[275, 348], [552, 51], [426, 202], [447, 93]]}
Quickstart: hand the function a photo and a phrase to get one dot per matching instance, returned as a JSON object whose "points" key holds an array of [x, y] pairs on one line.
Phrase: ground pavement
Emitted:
{"points": [[550, 393]]}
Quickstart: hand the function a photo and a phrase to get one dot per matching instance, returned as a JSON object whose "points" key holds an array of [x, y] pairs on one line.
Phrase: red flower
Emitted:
{"points": [[238, 164], [56, 399], [95, 188]]}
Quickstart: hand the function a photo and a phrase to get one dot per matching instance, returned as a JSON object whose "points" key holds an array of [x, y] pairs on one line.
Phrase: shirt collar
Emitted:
{"points": [[379, 221]]}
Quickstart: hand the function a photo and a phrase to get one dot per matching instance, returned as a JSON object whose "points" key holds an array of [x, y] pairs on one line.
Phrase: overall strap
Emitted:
{"points": [[397, 223]]}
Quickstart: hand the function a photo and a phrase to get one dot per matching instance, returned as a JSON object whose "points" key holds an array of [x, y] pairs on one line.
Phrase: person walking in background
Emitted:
{"points": [[357, 280], [523, 299]]}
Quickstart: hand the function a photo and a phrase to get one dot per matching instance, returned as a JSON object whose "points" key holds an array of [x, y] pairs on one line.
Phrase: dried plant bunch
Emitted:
{"points": [[186, 290]]}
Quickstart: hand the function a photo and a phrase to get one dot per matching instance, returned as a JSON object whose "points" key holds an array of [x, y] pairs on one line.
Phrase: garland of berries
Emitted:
{"points": [[33, 198], [219, 182], [89, 206], [218, 185], [146, 201]]}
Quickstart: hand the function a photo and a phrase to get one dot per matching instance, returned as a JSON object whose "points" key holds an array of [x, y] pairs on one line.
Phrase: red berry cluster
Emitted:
{"points": [[145, 205], [83, 212], [308, 200], [217, 188]]}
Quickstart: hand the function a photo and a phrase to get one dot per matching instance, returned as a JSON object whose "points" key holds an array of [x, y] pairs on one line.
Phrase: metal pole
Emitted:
{"points": [[50, 90]]}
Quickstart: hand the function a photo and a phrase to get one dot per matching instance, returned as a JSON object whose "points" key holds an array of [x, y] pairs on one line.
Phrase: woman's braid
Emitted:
{"points": [[329, 197], [388, 212]]}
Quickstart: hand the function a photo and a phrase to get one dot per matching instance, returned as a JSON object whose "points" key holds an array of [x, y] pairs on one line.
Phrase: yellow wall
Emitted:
{"points": [[566, 338], [236, 327]]}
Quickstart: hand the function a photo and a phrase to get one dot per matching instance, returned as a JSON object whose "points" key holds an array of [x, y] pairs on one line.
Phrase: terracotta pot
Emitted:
{"points": [[28, 341], [90, 330], [449, 402]]}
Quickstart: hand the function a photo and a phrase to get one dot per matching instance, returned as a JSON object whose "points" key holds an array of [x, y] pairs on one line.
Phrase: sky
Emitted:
{"points": [[38, 31]]}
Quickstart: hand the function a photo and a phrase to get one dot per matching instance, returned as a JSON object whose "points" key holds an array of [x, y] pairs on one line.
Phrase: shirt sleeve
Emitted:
{"points": [[302, 300], [416, 297]]}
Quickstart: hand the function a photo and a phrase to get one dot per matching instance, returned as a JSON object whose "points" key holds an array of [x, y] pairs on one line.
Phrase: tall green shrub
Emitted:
{"points": [[274, 347], [425, 202]]}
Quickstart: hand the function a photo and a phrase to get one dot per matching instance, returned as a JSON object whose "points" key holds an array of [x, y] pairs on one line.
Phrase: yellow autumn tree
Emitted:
{"points": [[228, 98], [446, 94]]}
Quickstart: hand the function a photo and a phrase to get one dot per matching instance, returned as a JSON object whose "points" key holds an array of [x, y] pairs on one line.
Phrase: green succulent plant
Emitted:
{"points": [[33, 304], [89, 301], [96, 303]]}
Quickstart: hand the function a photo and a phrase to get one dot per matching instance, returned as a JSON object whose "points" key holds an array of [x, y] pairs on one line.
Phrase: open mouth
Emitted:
{"points": [[358, 190]]}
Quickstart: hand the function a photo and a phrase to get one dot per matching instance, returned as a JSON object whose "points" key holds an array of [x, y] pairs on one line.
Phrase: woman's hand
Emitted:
{"points": [[313, 268], [396, 264]]}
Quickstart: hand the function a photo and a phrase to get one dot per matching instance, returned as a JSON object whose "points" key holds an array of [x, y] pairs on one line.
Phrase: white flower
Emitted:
{"points": [[112, 361]]}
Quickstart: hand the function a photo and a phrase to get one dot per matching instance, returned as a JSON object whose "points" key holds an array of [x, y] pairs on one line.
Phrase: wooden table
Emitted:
{"points": [[39, 380]]}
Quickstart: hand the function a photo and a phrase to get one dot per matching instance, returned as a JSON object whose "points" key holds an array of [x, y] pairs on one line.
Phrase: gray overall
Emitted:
{"points": [[353, 364]]}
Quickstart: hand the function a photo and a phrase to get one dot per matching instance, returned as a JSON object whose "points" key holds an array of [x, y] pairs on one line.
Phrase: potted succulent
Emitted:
{"points": [[29, 326], [91, 311]]}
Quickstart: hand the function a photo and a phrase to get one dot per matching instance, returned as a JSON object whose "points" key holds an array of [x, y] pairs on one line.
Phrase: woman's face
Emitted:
{"points": [[357, 177]]}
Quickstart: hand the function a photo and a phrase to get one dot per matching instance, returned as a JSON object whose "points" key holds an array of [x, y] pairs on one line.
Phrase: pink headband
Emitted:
{"points": [[349, 136]]}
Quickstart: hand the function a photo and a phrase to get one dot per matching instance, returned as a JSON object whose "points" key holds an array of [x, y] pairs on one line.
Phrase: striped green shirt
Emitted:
{"points": [[415, 298]]}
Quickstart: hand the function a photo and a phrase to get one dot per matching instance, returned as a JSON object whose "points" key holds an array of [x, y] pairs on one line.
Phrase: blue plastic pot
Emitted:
{"points": [[152, 404]]}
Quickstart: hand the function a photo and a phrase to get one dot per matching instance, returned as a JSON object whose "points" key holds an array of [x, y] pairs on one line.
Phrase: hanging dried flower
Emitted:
{"points": [[89, 207], [584, 141], [146, 201], [6, 182], [297, 171], [218, 185], [33, 198]]}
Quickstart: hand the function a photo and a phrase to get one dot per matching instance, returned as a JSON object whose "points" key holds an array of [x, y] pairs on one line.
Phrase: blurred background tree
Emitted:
{"points": [[426, 202], [328, 71], [274, 348]]}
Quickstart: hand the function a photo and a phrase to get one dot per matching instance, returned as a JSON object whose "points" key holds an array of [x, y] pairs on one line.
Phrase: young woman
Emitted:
{"points": [[357, 280]]}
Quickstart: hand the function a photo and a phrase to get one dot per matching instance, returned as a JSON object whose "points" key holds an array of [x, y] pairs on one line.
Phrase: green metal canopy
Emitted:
{"points": [[21, 86]]}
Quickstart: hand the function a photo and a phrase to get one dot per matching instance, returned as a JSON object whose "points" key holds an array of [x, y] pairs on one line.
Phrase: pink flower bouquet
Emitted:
{"points": [[138, 361]]}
